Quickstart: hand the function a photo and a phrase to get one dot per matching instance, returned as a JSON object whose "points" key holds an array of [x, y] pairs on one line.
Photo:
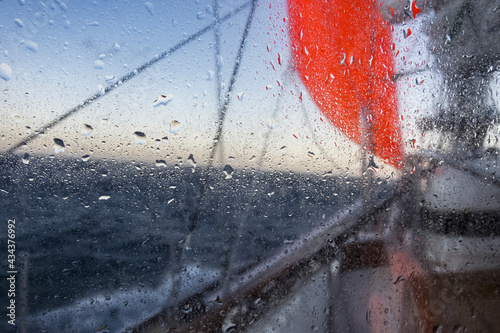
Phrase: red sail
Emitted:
{"points": [[342, 53]]}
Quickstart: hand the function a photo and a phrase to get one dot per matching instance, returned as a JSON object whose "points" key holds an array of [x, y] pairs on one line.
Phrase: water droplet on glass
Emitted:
{"points": [[175, 126], [5, 72], [269, 87], [229, 327], [26, 158], [271, 123], [98, 64], [437, 329], [210, 75], [415, 10], [240, 96], [101, 89], [19, 23], [187, 308], [104, 197], [191, 161], [87, 130], [164, 139], [228, 171], [62, 5], [161, 163], [406, 33], [103, 327], [399, 279], [163, 100], [116, 47], [85, 158], [58, 145], [32, 46], [40, 19], [149, 7], [283, 149], [140, 138], [109, 78]]}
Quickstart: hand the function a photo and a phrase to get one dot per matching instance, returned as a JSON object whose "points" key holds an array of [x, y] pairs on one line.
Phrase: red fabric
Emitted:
{"points": [[325, 32]]}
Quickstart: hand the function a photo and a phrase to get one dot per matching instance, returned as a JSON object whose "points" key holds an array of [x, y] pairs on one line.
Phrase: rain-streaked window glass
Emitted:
{"points": [[249, 166]]}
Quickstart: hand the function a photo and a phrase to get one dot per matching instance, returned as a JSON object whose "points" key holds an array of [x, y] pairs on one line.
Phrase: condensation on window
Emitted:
{"points": [[259, 166]]}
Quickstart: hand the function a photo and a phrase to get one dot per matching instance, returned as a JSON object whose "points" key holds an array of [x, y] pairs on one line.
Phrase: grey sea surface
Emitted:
{"points": [[112, 232]]}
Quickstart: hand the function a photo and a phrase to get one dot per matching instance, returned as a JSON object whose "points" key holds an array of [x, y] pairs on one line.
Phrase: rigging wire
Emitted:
{"points": [[218, 60], [205, 179], [231, 253], [222, 115], [218, 67]]}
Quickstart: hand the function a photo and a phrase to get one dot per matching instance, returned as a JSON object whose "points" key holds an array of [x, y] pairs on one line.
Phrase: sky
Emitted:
{"points": [[56, 54]]}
